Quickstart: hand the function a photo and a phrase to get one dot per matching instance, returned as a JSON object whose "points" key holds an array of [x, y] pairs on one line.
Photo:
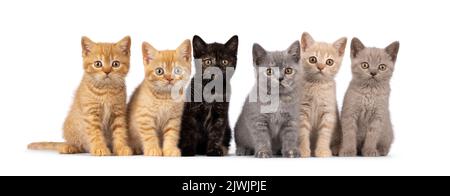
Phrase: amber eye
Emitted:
{"points": [[159, 71], [382, 67], [115, 64], [313, 60], [98, 64], [365, 65], [330, 62], [225, 62], [289, 71], [269, 71], [208, 62]]}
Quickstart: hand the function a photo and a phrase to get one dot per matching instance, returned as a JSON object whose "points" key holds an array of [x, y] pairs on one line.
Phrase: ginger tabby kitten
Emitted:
{"points": [[97, 119], [156, 107]]}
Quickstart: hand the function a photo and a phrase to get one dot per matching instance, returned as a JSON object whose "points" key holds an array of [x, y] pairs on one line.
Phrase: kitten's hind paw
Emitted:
{"points": [[69, 149], [263, 154], [291, 154]]}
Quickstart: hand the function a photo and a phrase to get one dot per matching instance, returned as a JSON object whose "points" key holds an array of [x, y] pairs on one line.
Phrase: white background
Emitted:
{"points": [[41, 67]]}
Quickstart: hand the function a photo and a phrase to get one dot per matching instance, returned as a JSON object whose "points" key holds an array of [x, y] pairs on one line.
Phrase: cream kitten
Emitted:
{"points": [[319, 117]]}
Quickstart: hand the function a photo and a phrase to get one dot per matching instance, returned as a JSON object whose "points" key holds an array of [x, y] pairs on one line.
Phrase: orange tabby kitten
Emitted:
{"points": [[97, 119], [156, 107]]}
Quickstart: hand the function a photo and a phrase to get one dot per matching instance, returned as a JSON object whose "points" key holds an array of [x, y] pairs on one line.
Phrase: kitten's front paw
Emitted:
{"points": [[153, 152], [305, 153], [263, 154], [100, 151], [323, 153], [123, 151], [215, 152], [370, 153], [242, 151], [348, 153], [291, 154], [172, 152]]}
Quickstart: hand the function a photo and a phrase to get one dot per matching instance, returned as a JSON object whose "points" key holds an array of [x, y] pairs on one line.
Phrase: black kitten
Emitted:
{"points": [[205, 129]]}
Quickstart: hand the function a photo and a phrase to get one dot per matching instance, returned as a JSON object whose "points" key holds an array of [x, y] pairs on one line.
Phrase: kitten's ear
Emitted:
{"points": [[232, 44], [294, 51], [307, 41], [125, 45], [149, 52], [356, 47], [184, 51], [87, 45], [199, 46], [259, 53], [392, 50], [340, 45]]}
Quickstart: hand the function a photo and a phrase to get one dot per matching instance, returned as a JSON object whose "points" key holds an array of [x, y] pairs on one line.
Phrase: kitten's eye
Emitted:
{"points": [[159, 71], [177, 71], [330, 62], [313, 60], [382, 67], [115, 64], [225, 62], [208, 62], [365, 65], [289, 71], [98, 64], [269, 71]]}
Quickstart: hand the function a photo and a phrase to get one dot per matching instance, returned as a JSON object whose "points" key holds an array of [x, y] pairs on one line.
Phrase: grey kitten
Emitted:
{"points": [[264, 133], [366, 123]]}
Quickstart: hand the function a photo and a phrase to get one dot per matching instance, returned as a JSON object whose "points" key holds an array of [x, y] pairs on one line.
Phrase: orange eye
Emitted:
{"points": [[365, 65], [115, 64], [269, 71], [159, 71], [225, 62], [98, 64], [289, 71], [313, 60], [208, 62], [330, 62]]}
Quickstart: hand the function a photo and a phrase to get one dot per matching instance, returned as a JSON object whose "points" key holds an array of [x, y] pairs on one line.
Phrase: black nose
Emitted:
{"points": [[373, 73]]}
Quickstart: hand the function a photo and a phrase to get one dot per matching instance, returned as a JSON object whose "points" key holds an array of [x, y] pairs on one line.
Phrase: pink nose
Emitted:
{"points": [[168, 78]]}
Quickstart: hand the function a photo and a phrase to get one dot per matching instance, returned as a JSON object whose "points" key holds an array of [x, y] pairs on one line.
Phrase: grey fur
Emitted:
{"points": [[366, 123], [265, 134]]}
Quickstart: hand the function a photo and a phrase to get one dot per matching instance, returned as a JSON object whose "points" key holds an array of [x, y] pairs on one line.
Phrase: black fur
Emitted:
{"points": [[205, 128]]}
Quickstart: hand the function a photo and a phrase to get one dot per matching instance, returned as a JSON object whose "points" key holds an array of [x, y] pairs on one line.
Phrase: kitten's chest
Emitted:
{"points": [[372, 106]]}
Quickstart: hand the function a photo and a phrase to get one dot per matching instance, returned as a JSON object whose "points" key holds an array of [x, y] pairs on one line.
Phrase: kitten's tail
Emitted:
{"points": [[54, 146]]}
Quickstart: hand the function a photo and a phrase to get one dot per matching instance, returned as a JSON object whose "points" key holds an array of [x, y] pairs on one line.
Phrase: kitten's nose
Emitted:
{"points": [[169, 78], [320, 67], [107, 71], [373, 73]]}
